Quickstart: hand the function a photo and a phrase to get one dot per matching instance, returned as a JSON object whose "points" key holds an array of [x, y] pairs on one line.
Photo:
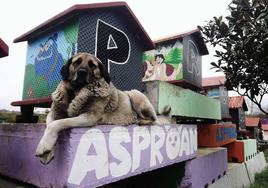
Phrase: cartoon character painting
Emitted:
{"points": [[158, 70], [49, 61], [163, 64], [45, 57]]}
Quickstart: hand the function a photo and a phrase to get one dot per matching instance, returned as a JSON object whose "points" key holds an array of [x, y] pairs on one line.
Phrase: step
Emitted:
{"points": [[236, 176], [242, 150], [241, 174], [209, 165], [255, 165], [183, 102], [216, 135], [90, 157]]}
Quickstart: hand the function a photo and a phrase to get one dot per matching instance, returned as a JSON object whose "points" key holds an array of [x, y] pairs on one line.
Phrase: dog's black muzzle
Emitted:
{"points": [[81, 79], [82, 73]]}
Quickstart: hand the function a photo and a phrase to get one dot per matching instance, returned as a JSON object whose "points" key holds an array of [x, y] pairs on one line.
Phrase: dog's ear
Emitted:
{"points": [[104, 73], [65, 70]]}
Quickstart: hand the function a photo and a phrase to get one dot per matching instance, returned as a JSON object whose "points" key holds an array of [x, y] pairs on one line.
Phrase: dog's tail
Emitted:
{"points": [[164, 118], [166, 110]]}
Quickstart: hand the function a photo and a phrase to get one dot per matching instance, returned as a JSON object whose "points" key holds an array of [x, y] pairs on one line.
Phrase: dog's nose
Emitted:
{"points": [[82, 72]]}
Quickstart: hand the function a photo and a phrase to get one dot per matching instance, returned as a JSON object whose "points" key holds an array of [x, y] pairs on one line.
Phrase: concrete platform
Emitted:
{"points": [[235, 177], [209, 165], [241, 174], [91, 157], [255, 165]]}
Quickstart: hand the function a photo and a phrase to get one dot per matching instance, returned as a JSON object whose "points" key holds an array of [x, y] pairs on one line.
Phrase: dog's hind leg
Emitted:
{"points": [[141, 105]]}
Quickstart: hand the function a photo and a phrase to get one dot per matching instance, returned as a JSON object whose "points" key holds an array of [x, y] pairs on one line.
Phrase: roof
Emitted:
{"points": [[264, 127], [264, 124], [37, 102], [237, 102], [66, 16], [211, 82], [252, 121], [3, 48], [196, 34]]}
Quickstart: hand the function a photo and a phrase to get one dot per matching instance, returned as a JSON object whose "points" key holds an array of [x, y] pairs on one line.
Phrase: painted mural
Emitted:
{"points": [[120, 151], [164, 63], [45, 57]]}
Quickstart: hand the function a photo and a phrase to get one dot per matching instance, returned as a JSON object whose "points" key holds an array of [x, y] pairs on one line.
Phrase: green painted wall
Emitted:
{"points": [[183, 102], [250, 148]]}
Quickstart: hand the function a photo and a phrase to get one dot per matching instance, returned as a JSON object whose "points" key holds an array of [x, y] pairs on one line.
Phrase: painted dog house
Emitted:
{"points": [[216, 135], [91, 157], [110, 31], [214, 87], [242, 150], [3, 49], [184, 103], [253, 125], [176, 59], [237, 108]]}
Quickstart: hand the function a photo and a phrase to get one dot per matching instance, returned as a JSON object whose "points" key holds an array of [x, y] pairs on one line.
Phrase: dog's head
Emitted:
{"points": [[82, 69]]}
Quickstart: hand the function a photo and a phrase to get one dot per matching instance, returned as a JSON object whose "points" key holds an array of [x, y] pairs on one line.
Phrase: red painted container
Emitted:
{"points": [[216, 135], [236, 151], [242, 150]]}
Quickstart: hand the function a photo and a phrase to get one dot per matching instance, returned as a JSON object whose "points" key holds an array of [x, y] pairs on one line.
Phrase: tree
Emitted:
{"points": [[242, 42]]}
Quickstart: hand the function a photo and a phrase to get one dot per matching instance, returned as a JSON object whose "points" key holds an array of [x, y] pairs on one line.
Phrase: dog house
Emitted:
{"points": [[176, 59], [237, 108], [215, 87], [108, 30], [3, 49], [253, 125]]}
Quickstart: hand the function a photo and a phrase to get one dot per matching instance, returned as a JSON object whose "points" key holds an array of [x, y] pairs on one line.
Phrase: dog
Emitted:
{"points": [[86, 97]]}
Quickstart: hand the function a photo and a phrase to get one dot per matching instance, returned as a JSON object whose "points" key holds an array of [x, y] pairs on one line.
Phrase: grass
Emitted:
{"points": [[261, 179]]}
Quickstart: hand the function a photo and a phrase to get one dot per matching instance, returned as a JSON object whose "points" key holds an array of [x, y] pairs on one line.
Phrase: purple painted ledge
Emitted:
{"points": [[209, 165], [90, 157]]}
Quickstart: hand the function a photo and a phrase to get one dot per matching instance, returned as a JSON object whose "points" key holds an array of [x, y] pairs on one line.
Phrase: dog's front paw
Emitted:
{"points": [[45, 149], [70, 111], [46, 156], [58, 96]]}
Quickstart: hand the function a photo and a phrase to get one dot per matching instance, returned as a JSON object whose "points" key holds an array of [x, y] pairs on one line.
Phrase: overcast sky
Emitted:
{"points": [[159, 18]]}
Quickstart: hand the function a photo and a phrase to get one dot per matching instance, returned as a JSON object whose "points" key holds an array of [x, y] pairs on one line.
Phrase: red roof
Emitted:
{"points": [[264, 127], [121, 8], [3, 48], [237, 102], [211, 82], [196, 34], [252, 121]]}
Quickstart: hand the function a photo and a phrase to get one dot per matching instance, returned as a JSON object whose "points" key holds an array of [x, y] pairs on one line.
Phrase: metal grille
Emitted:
{"points": [[127, 76]]}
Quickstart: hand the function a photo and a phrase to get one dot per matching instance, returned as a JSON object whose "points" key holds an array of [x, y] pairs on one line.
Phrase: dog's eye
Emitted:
{"points": [[91, 65], [78, 61]]}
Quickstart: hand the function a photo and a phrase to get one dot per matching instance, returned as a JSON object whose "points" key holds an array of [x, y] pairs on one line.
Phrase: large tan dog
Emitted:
{"points": [[86, 97]]}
